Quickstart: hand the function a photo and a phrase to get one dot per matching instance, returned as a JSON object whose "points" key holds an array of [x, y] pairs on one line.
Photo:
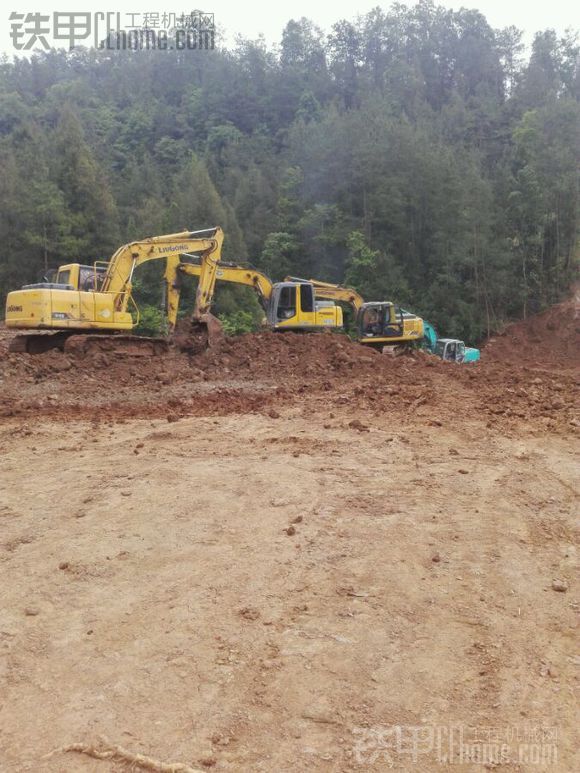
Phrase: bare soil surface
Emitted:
{"points": [[270, 556]]}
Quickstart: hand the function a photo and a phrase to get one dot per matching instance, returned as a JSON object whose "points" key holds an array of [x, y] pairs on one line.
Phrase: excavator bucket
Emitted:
{"points": [[215, 330], [196, 335]]}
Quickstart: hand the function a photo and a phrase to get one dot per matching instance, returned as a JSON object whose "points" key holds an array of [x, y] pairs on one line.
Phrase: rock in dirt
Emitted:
{"points": [[358, 425], [561, 586], [320, 713], [249, 613]]}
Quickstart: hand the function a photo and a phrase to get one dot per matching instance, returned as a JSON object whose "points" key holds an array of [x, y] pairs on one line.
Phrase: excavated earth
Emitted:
{"points": [[256, 371], [291, 553]]}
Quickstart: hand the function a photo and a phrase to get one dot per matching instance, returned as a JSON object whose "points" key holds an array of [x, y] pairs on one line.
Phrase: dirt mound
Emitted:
{"points": [[287, 355], [256, 371], [5, 337], [548, 339], [255, 357]]}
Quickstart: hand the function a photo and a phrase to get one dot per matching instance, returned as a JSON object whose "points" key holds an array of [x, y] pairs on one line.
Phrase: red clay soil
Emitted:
{"points": [[526, 374], [547, 340]]}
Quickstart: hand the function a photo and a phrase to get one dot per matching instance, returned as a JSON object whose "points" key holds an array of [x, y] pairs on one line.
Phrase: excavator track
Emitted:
{"points": [[119, 345], [38, 343], [82, 345]]}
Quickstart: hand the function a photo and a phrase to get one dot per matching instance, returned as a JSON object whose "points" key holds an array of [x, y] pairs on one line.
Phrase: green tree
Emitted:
{"points": [[94, 228]]}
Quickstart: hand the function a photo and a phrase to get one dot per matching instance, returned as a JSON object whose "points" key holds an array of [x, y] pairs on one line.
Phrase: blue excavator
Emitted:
{"points": [[450, 349]]}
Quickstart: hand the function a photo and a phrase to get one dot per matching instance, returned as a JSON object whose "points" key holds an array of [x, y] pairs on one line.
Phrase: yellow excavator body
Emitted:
{"points": [[65, 304], [378, 324], [384, 324]]}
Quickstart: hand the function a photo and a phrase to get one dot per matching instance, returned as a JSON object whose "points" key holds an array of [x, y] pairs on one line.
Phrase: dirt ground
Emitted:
{"points": [[291, 554]]}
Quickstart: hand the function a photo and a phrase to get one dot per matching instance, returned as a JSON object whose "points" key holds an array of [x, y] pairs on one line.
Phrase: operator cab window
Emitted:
{"points": [[371, 321], [306, 297], [91, 279], [87, 279], [287, 303], [64, 277]]}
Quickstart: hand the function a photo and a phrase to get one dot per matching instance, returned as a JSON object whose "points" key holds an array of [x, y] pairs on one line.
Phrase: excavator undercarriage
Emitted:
{"points": [[85, 345]]}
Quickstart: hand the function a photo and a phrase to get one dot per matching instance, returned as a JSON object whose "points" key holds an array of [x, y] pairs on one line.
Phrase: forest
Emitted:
{"points": [[415, 153]]}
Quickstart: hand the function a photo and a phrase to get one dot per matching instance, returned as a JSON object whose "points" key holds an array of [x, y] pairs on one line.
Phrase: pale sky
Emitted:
{"points": [[250, 18]]}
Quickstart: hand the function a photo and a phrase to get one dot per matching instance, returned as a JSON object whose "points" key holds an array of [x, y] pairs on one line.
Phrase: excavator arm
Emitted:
{"points": [[176, 268], [208, 243]]}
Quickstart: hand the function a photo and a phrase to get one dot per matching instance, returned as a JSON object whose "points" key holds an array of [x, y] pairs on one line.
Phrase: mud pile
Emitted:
{"points": [[292, 355], [551, 339], [265, 371], [5, 337], [274, 358]]}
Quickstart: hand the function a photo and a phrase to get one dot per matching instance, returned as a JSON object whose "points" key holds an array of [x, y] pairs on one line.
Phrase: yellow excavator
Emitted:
{"points": [[289, 305], [86, 307], [378, 324], [82, 304], [309, 304]]}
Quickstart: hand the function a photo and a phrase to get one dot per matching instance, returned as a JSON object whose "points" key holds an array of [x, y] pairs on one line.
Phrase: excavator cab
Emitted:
{"points": [[454, 350], [293, 305], [75, 276], [384, 324], [72, 276]]}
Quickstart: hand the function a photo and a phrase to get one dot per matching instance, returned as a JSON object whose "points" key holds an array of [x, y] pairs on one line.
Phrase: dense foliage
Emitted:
{"points": [[413, 153]]}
